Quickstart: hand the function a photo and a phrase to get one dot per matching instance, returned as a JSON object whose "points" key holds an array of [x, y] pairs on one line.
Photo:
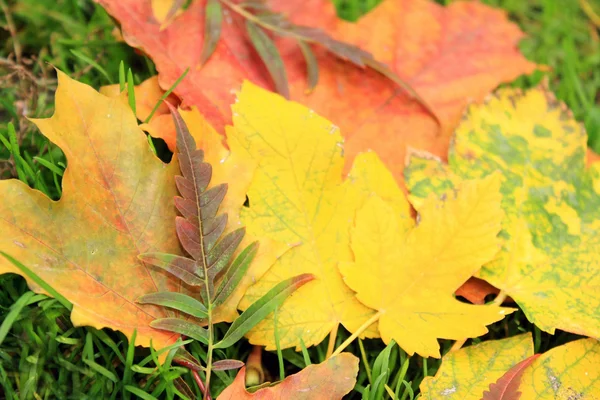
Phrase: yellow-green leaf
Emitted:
{"points": [[409, 272], [550, 261], [567, 372], [465, 374], [297, 196]]}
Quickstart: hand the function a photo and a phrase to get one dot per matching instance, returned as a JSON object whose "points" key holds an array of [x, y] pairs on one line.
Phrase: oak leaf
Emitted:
{"points": [[330, 380], [449, 55], [413, 269], [550, 260], [466, 373], [117, 202]]}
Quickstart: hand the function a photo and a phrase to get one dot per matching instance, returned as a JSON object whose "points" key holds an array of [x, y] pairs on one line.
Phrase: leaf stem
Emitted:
{"points": [[356, 334], [251, 17], [209, 351], [497, 302], [199, 382], [332, 337]]}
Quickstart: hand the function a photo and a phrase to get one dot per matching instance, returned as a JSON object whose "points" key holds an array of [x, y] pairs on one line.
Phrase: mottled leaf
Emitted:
{"points": [[415, 269], [569, 372], [466, 373], [550, 259], [330, 380]]}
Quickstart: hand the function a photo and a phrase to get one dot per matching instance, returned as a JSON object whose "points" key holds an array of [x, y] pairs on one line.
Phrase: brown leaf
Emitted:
{"points": [[330, 380]]}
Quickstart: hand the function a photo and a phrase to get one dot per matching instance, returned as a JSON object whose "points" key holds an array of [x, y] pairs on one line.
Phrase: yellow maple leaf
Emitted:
{"points": [[298, 196], [408, 273], [465, 374]]}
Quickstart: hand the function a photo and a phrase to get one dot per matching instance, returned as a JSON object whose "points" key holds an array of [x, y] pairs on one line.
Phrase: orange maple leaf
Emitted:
{"points": [[449, 55], [117, 202]]}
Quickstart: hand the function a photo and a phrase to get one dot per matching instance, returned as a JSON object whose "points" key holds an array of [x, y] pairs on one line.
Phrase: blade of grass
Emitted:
{"points": [[166, 94], [277, 344], [139, 392], [127, 373], [27, 272], [122, 81], [91, 62], [13, 314], [131, 91], [14, 149], [54, 168]]}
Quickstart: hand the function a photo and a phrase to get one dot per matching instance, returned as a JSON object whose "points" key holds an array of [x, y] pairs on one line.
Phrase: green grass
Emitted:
{"points": [[42, 356]]}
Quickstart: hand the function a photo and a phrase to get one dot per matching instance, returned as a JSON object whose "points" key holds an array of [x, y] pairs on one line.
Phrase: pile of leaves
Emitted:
{"points": [[368, 201]]}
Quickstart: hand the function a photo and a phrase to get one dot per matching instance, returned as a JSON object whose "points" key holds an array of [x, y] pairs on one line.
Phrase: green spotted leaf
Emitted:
{"points": [[569, 372], [465, 374], [550, 261]]}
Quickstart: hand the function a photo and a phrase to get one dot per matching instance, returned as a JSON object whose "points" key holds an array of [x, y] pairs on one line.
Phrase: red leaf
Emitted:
{"points": [[506, 388], [448, 55]]}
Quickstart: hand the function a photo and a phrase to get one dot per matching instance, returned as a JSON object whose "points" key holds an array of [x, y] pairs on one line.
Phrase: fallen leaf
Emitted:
{"points": [[414, 269], [330, 380], [117, 202], [297, 196], [507, 387], [550, 259], [449, 55], [476, 290], [567, 372], [237, 169], [466, 373]]}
